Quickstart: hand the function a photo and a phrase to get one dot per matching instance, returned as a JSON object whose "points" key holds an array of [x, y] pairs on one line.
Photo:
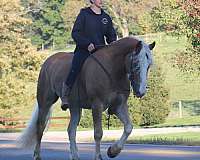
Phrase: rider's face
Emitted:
{"points": [[98, 3]]}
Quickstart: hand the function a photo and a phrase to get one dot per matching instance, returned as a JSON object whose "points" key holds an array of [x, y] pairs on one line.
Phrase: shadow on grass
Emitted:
{"points": [[167, 126], [10, 130], [161, 141]]}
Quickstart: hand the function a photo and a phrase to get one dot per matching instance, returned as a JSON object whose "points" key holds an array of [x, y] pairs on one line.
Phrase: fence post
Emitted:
{"points": [[180, 109]]}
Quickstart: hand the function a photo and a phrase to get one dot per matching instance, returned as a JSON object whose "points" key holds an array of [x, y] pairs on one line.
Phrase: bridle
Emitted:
{"points": [[133, 68]]}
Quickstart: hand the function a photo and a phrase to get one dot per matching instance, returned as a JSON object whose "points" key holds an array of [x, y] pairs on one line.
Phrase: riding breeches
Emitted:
{"points": [[77, 62]]}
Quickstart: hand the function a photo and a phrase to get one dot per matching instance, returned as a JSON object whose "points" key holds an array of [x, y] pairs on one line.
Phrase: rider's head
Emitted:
{"points": [[97, 3]]}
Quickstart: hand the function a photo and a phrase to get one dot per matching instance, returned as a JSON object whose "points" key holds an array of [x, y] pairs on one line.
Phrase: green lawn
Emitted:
{"points": [[186, 138], [185, 121], [181, 86], [165, 44]]}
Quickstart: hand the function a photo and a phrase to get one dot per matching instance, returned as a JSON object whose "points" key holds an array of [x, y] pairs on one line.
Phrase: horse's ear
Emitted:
{"points": [[152, 45], [138, 47]]}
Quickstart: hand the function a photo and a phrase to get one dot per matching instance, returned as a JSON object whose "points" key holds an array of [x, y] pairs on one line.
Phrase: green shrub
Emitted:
{"points": [[153, 108], [19, 61]]}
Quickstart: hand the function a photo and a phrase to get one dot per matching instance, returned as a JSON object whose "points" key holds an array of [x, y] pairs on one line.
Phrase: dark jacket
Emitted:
{"points": [[90, 27]]}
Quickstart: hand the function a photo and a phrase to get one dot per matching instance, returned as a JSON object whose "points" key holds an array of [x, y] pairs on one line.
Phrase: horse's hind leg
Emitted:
{"points": [[122, 113], [75, 112], [97, 109], [45, 102]]}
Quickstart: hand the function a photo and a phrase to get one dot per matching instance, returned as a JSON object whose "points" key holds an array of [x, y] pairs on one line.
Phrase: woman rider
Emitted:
{"points": [[92, 27]]}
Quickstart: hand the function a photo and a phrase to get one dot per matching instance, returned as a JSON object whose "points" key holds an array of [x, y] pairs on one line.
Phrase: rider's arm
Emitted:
{"points": [[111, 33], [77, 32]]}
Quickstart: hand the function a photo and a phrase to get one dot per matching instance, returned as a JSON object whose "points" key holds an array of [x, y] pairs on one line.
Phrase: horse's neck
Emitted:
{"points": [[113, 56], [123, 46], [116, 53]]}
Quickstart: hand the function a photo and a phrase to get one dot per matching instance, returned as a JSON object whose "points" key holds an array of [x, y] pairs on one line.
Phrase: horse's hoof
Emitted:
{"points": [[113, 153], [74, 158], [98, 158], [64, 107], [37, 158]]}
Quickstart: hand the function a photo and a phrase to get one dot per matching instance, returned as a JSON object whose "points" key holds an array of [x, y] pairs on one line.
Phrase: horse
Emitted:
{"points": [[104, 82]]}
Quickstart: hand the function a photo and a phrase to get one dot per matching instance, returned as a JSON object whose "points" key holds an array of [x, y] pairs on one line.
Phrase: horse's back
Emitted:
{"points": [[59, 57], [55, 70]]}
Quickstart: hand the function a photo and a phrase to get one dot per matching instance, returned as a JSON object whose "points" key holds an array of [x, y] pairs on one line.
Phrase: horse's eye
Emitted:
{"points": [[134, 64]]}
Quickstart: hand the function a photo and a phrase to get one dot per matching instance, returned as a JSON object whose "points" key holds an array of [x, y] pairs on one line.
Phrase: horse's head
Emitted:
{"points": [[138, 63]]}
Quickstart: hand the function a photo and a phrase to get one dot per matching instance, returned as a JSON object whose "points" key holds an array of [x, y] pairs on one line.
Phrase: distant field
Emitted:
{"points": [[185, 121], [181, 86]]}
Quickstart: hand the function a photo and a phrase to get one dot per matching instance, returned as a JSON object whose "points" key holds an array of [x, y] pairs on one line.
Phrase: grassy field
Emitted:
{"points": [[181, 86], [186, 138], [185, 121]]}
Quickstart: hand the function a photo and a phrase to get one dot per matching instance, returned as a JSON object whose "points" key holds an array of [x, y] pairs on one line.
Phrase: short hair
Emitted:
{"points": [[89, 1]]}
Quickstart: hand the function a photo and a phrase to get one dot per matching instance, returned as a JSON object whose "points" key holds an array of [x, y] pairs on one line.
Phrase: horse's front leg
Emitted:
{"points": [[98, 132], [75, 113], [122, 113]]}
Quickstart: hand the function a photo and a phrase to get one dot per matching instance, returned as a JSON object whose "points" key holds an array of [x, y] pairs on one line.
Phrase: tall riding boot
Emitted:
{"points": [[64, 97]]}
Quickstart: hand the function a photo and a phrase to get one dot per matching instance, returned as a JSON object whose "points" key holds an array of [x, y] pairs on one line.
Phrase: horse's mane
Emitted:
{"points": [[123, 45]]}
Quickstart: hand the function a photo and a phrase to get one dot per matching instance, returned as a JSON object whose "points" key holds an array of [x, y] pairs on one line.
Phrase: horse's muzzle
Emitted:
{"points": [[139, 95], [138, 89]]}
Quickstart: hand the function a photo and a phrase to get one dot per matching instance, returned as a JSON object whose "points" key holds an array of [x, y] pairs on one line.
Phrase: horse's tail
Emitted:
{"points": [[28, 138]]}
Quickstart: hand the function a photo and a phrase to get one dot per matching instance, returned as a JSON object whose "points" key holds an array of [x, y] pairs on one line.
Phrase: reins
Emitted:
{"points": [[101, 65]]}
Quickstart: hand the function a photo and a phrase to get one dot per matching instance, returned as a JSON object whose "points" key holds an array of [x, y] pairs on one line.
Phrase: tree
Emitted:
{"points": [[48, 29], [181, 18], [19, 61], [154, 107], [189, 61], [69, 14], [167, 16], [127, 15]]}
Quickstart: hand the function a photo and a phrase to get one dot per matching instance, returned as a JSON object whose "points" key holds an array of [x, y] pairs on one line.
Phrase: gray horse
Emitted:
{"points": [[103, 83]]}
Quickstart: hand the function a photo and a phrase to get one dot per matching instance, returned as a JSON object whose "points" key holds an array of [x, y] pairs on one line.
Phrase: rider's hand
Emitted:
{"points": [[91, 47]]}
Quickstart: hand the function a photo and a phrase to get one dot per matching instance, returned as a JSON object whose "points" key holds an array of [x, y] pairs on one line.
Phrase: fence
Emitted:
{"points": [[184, 108], [19, 123]]}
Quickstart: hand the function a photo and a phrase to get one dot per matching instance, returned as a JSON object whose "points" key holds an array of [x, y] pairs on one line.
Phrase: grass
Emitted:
{"points": [[181, 86], [165, 44], [186, 138], [178, 122]]}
